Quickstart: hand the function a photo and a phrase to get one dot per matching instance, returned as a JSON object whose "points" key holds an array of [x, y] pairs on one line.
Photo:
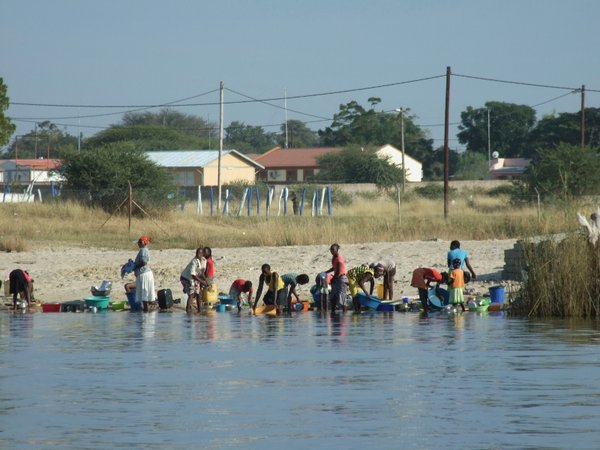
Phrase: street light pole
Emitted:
{"points": [[401, 111]]}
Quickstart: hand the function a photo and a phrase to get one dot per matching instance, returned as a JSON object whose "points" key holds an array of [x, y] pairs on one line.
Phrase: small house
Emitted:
{"points": [[507, 168], [25, 171], [290, 165], [201, 167]]}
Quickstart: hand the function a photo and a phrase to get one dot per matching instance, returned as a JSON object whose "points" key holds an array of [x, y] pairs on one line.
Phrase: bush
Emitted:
{"points": [[103, 174], [433, 191], [561, 279]]}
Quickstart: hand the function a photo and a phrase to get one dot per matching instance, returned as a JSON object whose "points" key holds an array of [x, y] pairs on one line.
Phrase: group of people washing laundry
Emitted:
{"points": [[456, 277], [337, 288]]}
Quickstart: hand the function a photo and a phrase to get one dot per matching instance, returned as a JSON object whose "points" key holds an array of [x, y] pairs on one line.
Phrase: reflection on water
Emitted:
{"points": [[390, 380]]}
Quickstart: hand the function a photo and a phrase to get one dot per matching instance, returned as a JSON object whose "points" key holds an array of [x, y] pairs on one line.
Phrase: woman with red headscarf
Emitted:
{"points": [[144, 278]]}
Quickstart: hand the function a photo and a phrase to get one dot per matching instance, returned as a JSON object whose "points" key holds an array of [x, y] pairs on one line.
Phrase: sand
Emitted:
{"points": [[67, 273]]}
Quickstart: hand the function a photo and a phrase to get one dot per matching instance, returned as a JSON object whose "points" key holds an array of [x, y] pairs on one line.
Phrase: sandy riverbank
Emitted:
{"points": [[67, 273]]}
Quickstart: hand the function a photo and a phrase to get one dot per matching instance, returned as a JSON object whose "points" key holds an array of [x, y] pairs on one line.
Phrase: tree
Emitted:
{"points": [[510, 125], [433, 168], [45, 140], [355, 125], [7, 128], [471, 166], [145, 137], [103, 174], [299, 135], [566, 128], [248, 139], [356, 165], [186, 124], [564, 171]]}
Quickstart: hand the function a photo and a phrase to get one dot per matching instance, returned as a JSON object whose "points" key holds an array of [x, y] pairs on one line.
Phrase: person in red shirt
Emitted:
{"points": [[20, 285], [339, 281], [241, 291], [208, 276], [422, 279]]}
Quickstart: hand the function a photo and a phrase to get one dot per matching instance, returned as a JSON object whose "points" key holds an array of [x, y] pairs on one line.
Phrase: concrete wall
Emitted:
{"points": [[460, 186]]}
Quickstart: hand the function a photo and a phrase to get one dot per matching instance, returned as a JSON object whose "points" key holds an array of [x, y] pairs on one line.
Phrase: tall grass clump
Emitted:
{"points": [[561, 279]]}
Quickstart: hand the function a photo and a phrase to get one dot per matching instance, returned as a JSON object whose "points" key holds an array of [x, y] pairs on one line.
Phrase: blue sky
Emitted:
{"points": [[147, 52]]}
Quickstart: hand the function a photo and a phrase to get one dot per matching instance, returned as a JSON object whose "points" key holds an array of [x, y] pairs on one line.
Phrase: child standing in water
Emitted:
{"points": [[456, 284]]}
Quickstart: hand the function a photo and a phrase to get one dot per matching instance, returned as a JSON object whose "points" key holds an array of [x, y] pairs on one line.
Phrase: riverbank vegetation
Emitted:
{"points": [[561, 279]]}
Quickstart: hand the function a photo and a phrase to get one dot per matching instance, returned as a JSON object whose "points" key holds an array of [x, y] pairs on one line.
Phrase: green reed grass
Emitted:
{"points": [[561, 279]]}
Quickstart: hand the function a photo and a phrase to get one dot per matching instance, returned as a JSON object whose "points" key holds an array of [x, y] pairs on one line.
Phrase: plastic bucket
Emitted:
{"points": [[380, 289], [221, 307], [131, 300], [497, 294]]}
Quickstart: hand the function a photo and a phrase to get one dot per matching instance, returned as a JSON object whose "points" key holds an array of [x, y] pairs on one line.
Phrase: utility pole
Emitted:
{"points": [[286, 118], [446, 149], [489, 138], [582, 123], [401, 111], [36, 141], [221, 96]]}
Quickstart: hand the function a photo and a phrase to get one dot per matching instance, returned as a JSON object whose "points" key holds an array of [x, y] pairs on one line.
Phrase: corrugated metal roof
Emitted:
{"points": [[192, 158]]}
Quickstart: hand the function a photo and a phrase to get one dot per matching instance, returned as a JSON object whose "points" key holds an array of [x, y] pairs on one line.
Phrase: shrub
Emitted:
{"points": [[432, 191]]}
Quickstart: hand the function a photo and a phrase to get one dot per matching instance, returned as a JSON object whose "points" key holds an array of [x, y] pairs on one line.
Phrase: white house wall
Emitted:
{"points": [[414, 169]]}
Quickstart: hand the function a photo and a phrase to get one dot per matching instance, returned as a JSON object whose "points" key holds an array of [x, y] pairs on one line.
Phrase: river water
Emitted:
{"points": [[376, 381]]}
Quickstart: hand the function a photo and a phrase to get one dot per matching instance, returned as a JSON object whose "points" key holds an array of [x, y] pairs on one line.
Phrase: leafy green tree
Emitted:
{"points": [[186, 124], [471, 166], [145, 137], [566, 128], [299, 135], [433, 167], [356, 165], [7, 128], [355, 125], [510, 125], [248, 139], [563, 172], [103, 175], [45, 140]]}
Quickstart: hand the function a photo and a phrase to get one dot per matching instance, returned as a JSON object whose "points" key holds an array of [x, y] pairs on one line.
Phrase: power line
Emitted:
{"points": [[522, 83], [87, 116], [115, 106], [319, 94], [278, 106], [556, 98]]}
